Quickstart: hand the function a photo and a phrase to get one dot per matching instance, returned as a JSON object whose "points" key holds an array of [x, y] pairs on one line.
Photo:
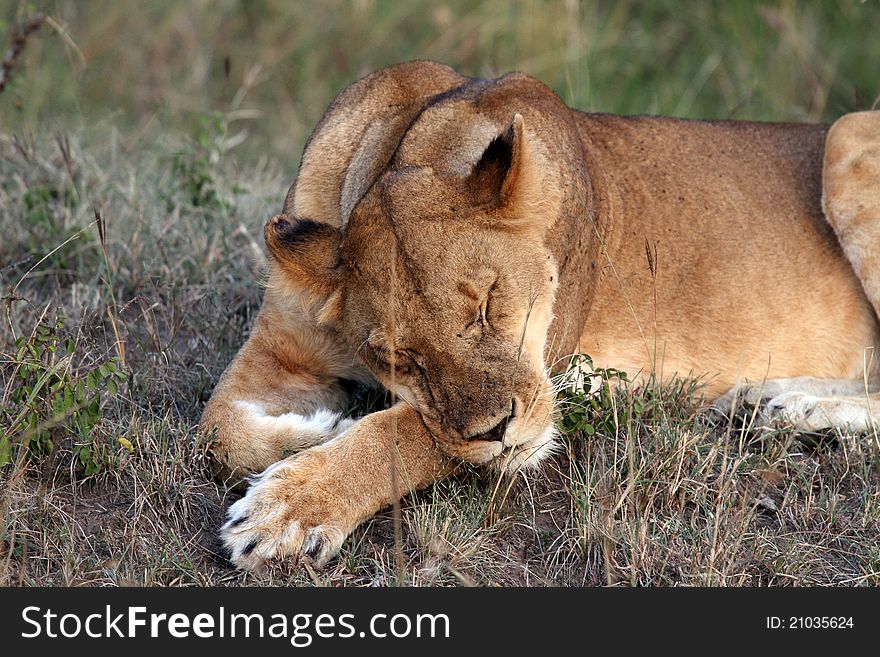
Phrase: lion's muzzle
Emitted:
{"points": [[494, 434]]}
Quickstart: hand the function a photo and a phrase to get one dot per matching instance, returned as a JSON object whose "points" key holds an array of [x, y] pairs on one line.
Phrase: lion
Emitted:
{"points": [[455, 240]]}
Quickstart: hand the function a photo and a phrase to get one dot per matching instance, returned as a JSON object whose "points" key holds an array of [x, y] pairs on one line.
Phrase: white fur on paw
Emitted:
{"points": [[260, 527], [804, 412], [304, 430], [754, 394], [796, 410], [344, 425]]}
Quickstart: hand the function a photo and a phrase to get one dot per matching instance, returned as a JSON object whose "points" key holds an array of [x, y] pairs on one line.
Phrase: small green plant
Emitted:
{"points": [[586, 411], [51, 399], [195, 169], [38, 201], [43, 209]]}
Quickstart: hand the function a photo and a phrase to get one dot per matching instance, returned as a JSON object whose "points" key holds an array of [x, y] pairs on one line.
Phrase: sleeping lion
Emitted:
{"points": [[455, 240]]}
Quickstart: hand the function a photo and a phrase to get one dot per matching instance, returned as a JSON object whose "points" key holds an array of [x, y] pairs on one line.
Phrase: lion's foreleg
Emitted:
{"points": [[262, 411], [309, 503]]}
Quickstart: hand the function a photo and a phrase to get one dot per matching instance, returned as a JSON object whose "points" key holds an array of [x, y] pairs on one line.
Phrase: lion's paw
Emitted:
{"points": [[796, 410], [283, 514], [811, 413], [790, 409]]}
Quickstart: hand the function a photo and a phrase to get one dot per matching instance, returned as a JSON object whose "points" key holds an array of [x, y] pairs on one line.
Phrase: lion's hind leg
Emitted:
{"points": [[807, 404], [851, 202], [851, 194], [805, 412]]}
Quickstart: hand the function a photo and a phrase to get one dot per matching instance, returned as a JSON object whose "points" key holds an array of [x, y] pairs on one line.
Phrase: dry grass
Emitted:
{"points": [[169, 286]]}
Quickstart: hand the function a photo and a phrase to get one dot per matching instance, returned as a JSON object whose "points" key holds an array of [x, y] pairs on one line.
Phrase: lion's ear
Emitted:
{"points": [[357, 136], [347, 151], [513, 177], [304, 255]]}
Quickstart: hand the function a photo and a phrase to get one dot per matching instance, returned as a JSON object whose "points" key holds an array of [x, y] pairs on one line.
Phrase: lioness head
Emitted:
{"points": [[419, 226], [443, 286]]}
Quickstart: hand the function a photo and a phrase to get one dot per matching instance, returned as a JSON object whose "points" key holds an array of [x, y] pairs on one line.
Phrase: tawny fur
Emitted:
{"points": [[456, 240]]}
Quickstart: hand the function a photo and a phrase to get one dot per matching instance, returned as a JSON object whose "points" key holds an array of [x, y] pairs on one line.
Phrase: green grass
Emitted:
{"points": [[127, 112]]}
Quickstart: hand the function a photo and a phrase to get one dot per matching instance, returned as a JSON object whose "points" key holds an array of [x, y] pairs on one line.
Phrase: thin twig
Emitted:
{"points": [[19, 41]]}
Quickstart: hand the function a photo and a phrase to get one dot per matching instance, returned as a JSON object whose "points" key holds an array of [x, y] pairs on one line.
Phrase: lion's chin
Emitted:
{"points": [[528, 454]]}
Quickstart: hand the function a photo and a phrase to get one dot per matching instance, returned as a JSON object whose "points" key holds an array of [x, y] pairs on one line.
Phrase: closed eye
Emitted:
{"points": [[413, 356], [484, 308], [381, 358], [481, 318], [419, 367]]}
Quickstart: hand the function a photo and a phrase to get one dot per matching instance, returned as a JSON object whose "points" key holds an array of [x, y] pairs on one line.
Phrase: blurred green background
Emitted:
{"points": [[270, 67]]}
